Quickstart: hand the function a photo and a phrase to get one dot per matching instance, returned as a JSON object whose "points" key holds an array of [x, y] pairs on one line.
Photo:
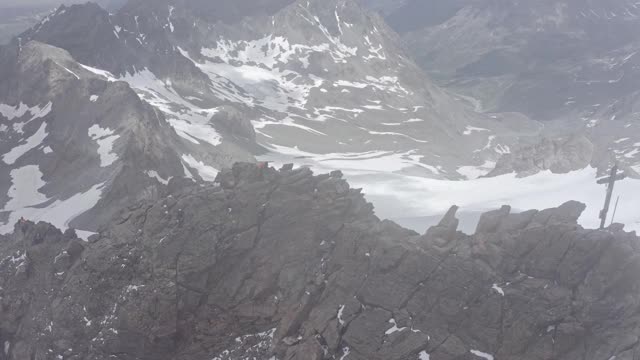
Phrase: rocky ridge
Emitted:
{"points": [[283, 264], [558, 155]]}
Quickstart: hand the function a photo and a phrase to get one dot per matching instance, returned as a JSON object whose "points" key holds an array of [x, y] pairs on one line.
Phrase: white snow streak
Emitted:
{"points": [[471, 129], [31, 143], [104, 73], [482, 354], [394, 327], [497, 289], [340, 313], [207, 173], [154, 175]]}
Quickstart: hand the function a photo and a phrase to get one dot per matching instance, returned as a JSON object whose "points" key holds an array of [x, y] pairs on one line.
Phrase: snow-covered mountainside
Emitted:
{"points": [[321, 83], [572, 61], [75, 148], [315, 78]]}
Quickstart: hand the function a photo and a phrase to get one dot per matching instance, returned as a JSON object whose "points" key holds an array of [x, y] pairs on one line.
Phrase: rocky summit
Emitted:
{"points": [[282, 264]]}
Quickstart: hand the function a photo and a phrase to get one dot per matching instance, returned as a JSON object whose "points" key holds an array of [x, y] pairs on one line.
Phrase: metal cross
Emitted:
{"points": [[610, 181]]}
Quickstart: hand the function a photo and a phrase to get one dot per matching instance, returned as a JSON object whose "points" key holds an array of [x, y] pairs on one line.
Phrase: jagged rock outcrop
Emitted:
{"points": [[230, 121], [268, 264], [558, 155]]}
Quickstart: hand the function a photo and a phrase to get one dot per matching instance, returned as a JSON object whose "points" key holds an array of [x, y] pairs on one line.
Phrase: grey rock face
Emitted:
{"points": [[559, 156], [231, 122], [286, 265]]}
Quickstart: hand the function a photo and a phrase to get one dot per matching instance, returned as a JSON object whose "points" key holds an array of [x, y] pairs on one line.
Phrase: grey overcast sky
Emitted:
{"points": [[36, 2], [52, 3]]}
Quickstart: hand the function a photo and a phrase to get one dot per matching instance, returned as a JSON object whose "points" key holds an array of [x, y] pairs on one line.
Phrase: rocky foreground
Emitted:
{"points": [[268, 264]]}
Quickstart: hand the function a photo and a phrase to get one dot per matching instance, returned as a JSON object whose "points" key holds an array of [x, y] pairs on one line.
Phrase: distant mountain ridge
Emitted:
{"points": [[573, 63], [321, 81], [325, 84]]}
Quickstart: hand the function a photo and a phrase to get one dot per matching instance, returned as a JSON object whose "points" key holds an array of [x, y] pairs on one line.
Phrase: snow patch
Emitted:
{"points": [[154, 175], [481, 354], [253, 71], [394, 327], [18, 111], [27, 201], [345, 352], [207, 173], [471, 129], [24, 191], [31, 143], [497, 289], [105, 138], [340, 313], [475, 172], [171, 10]]}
